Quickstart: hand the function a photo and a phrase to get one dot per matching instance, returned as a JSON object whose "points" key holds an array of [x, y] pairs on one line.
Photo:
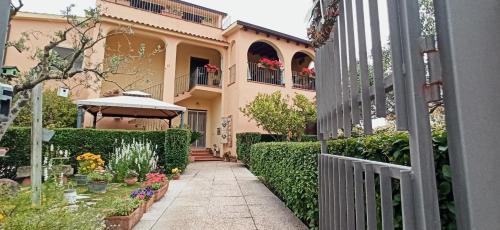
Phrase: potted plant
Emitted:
{"points": [[158, 182], [124, 214], [131, 177], [176, 173], [227, 156], [98, 181], [307, 72], [269, 64], [87, 163], [212, 68], [70, 194], [146, 195]]}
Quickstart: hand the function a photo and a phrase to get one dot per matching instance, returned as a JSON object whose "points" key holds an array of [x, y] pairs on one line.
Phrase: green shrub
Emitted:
{"points": [[58, 112], [177, 148], [245, 140], [243, 143], [77, 141], [290, 169]]}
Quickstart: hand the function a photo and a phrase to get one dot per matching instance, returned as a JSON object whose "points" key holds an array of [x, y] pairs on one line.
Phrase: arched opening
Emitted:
{"points": [[264, 64], [303, 73]]}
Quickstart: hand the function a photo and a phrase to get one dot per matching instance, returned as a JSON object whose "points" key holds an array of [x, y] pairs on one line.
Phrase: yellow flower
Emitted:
{"points": [[2, 217]]}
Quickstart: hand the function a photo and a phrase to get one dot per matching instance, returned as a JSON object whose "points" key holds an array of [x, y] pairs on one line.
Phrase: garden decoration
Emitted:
{"points": [[319, 31], [70, 195], [131, 177], [98, 181], [3, 151], [176, 172], [270, 64], [211, 68], [87, 163]]}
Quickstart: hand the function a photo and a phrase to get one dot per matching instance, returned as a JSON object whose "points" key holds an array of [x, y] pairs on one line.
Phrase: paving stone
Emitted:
{"points": [[228, 200]]}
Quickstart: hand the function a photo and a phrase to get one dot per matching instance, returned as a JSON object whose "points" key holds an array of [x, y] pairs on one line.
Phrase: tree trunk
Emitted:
{"points": [[22, 101]]}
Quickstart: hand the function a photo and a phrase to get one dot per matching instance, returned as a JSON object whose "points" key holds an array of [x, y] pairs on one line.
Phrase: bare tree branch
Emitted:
{"points": [[15, 9]]}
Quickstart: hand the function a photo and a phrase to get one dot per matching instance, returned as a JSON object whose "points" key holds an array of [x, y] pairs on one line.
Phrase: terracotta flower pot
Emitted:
{"points": [[176, 177], [160, 193], [130, 181], [147, 205], [124, 222]]}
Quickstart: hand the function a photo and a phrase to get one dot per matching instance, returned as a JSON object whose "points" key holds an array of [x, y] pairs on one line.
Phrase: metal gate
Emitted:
{"points": [[347, 186]]}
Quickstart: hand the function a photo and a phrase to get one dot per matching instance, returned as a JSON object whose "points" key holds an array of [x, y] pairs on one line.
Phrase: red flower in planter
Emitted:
{"points": [[211, 68], [155, 180], [268, 63], [308, 72]]}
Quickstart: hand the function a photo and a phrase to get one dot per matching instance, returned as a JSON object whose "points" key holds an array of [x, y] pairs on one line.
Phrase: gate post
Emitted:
{"points": [[470, 57]]}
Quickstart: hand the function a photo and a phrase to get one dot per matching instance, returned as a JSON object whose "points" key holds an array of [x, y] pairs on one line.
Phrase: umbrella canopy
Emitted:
{"points": [[134, 104]]}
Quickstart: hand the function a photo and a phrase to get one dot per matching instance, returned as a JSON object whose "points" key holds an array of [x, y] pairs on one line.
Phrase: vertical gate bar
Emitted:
{"points": [[344, 73], [331, 92], [319, 96], [378, 66], [337, 82], [422, 159], [351, 216], [321, 191], [330, 193], [328, 76], [435, 74], [371, 209], [386, 199], [336, 198], [363, 65], [353, 72], [342, 195], [407, 201], [359, 196], [397, 65]]}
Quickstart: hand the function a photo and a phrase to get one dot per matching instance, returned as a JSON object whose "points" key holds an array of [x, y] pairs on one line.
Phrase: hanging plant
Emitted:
{"points": [[270, 64], [319, 33], [211, 68], [308, 72]]}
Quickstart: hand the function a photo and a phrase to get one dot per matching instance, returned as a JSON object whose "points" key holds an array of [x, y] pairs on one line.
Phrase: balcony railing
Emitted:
{"points": [[199, 77], [258, 73], [176, 9], [305, 82]]}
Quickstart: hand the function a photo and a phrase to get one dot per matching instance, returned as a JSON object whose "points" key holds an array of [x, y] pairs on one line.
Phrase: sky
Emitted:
{"points": [[267, 13]]}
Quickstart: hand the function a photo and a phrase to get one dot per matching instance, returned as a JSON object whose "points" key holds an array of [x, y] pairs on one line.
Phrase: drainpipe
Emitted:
{"points": [[79, 117], [4, 26], [182, 120]]}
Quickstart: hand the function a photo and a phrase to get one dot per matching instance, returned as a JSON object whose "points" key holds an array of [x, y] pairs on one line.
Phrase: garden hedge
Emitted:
{"points": [[77, 141], [177, 147], [245, 140], [290, 170]]}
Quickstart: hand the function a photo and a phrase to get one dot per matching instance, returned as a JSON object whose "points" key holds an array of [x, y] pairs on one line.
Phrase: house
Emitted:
{"points": [[195, 59]]}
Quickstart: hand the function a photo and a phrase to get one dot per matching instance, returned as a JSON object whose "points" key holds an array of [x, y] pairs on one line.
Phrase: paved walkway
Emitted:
{"points": [[219, 195]]}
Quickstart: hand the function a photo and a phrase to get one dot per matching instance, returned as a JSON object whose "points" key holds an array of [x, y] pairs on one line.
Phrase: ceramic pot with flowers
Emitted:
{"points": [[176, 173], [87, 163], [131, 178], [144, 194], [98, 181]]}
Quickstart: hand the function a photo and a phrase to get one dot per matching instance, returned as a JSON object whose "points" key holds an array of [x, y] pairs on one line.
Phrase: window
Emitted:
{"points": [[67, 53]]}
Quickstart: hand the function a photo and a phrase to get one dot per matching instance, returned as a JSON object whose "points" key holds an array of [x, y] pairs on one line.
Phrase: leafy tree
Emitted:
{"points": [[280, 115], [58, 112]]}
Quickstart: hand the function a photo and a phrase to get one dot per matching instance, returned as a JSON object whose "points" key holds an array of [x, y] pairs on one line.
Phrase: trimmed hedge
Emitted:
{"points": [[177, 146], [290, 169], [243, 142], [77, 141]]}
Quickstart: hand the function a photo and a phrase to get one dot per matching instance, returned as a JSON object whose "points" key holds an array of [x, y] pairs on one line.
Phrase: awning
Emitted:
{"points": [[133, 104]]}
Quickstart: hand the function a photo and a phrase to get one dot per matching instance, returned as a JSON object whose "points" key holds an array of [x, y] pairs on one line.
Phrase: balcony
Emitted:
{"points": [[305, 82], [199, 83], [258, 73], [177, 9]]}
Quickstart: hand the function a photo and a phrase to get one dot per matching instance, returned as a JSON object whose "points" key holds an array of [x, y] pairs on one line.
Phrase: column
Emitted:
{"points": [[170, 68]]}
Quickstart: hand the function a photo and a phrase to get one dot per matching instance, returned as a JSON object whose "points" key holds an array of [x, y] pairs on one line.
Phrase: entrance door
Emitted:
{"points": [[197, 121]]}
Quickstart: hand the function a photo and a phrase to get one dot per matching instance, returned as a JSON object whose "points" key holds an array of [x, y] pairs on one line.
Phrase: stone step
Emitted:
{"points": [[211, 158]]}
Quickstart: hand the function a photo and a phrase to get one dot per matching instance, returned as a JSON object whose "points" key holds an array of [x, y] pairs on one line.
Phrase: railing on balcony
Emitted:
{"points": [[176, 9], [258, 73], [306, 82], [232, 74], [200, 77]]}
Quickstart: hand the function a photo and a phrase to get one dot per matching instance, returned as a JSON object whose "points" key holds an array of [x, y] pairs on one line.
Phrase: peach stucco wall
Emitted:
{"points": [[223, 48]]}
